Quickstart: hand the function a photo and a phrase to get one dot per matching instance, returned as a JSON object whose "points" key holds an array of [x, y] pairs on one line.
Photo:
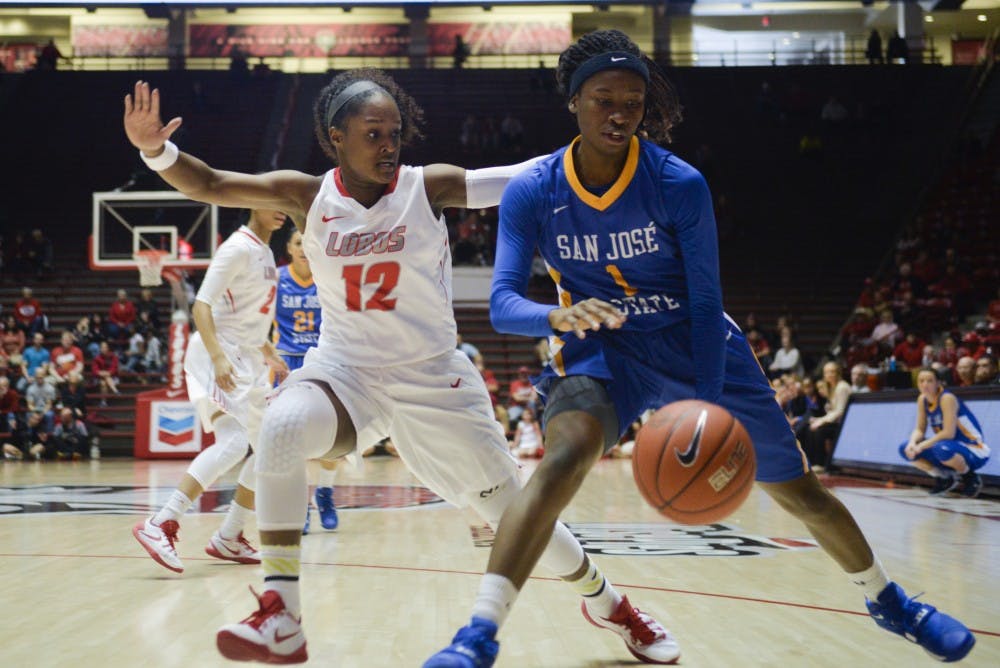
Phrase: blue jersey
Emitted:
{"points": [[297, 316], [646, 244], [967, 429]]}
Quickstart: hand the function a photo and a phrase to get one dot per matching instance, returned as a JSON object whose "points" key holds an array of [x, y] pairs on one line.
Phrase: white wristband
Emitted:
{"points": [[164, 160]]}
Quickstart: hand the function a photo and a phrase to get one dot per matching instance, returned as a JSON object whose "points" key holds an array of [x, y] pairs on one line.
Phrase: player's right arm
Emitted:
{"points": [[222, 272], [919, 430], [288, 191]]}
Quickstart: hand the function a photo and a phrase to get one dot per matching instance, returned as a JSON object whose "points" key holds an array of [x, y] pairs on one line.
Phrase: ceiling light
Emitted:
{"points": [[981, 18]]}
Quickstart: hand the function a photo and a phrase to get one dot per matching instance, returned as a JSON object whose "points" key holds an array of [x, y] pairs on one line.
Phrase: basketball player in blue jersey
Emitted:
{"points": [[628, 233], [296, 328], [957, 444]]}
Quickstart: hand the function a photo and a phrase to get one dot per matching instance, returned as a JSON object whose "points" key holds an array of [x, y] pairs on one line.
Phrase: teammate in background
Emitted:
{"points": [[386, 362], [226, 367], [628, 232], [297, 321], [957, 444]]}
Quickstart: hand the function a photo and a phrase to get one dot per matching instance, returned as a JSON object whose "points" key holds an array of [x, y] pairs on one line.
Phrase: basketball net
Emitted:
{"points": [[150, 264]]}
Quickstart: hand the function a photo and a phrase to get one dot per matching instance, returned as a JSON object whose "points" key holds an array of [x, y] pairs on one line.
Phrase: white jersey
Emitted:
{"points": [[383, 274], [240, 286]]}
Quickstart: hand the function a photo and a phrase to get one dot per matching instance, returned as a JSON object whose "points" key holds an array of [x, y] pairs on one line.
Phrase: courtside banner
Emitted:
{"points": [[303, 40], [174, 428], [120, 40], [499, 38]]}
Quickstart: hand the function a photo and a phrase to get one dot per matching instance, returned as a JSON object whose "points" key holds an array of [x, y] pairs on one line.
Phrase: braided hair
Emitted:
{"points": [[663, 109], [410, 112]]}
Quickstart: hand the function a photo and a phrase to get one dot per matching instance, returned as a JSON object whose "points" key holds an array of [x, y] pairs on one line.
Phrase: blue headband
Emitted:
{"points": [[346, 95], [607, 61]]}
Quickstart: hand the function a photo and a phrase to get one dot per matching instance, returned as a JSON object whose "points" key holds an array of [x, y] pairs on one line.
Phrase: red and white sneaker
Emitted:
{"points": [[269, 635], [232, 549], [159, 542], [644, 636]]}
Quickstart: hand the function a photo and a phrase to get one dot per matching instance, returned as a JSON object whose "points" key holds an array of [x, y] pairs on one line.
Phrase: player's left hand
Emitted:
{"points": [[590, 314], [278, 367]]}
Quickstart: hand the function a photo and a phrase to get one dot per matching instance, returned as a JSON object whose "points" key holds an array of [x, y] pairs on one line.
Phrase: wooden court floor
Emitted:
{"points": [[396, 580]]}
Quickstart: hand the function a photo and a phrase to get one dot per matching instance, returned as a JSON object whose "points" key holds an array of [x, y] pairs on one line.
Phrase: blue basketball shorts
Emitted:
{"points": [[647, 370], [944, 450], [293, 361]]}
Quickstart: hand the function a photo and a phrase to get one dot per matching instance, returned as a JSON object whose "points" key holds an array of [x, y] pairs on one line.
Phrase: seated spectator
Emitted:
{"points": [[527, 436], [121, 315], [905, 282], [12, 338], [886, 333], [470, 351], [948, 355], [859, 379], [965, 371], [788, 359], [85, 338], [760, 348], [153, 359], [909, 352], [13, 369], [104, 368], [39, 253], [135, 353], [800, 412], [511, 133], [147, 304], [626, 444], [522, 394], [40, 397], [67, 358], [10, 404], [30, 439], [73, 395], [36, 356], [29, 314], [986, 371], [972, 346], [823, 430], [69, 436]]}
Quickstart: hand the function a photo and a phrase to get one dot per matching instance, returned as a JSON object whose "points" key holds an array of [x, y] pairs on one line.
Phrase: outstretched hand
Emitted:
{"points": [[142, 120], [590, 314]]}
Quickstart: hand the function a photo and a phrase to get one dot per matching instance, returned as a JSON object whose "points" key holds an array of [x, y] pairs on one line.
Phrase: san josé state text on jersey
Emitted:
{"points": [[627, 254], [298, 314]]}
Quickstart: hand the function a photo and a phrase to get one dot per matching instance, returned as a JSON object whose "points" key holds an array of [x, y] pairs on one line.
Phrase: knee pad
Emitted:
{"points": [[231, 446], [299, 423], [583, 393], [248, 478]]}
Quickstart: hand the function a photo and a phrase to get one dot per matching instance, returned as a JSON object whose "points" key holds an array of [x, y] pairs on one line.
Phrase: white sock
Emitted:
{"points": [[601, 597], [495, 598], [236, 518], [325, 478], [873, 580], [176, 506]]}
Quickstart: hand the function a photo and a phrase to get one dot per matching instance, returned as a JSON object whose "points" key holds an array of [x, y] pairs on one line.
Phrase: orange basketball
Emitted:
{"points": [[694, 462]]}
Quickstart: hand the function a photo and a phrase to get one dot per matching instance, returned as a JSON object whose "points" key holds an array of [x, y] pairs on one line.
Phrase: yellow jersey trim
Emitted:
{"points": [[301, 282], [617, 188]]}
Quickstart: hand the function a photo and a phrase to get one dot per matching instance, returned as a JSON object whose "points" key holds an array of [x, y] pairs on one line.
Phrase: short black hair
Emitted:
{"points": [[663, 109], [410, 112]]}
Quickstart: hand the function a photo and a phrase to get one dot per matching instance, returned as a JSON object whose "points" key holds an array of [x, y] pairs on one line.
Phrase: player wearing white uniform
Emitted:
{"points": [[226, 369], [386, 363]]}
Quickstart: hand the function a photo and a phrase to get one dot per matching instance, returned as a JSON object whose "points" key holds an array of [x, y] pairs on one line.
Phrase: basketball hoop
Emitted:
{"points": [[150, 264]]}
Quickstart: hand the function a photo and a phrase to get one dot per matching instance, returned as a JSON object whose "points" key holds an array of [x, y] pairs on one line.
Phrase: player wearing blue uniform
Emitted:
{"points": [[628, 232], [297, 320], [957, 444]]}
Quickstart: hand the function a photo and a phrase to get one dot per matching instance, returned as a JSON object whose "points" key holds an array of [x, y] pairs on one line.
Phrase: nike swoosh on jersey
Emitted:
{"points": [[560, 208], [327, 219], [687, 457]]}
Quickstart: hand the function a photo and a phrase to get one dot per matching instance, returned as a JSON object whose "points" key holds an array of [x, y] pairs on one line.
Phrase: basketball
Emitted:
{"points": [[694, 462]]}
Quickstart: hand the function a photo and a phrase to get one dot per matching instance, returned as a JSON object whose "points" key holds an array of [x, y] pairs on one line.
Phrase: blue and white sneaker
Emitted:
{"points": [[327, 511], [305, 527], [943, 637], [474, 646]]}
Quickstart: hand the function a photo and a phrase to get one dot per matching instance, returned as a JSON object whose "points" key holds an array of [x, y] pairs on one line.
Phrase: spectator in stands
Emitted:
{"points": [[10, 405], [105, 369], [84, 337], [522, 395], [11, 338], [905, 282], [886, 333], [67, 358], [511, 133], [859, 379], [73, 395], [787, 359], [40, 397], [527, 436], [152, 361], [800, 412], [29, 439], [873, 50], [29, 314], [69, 436], [135, 353], [147, 304], [36, 356], [468, 135], [13, 369], [948, 355], [965, 371], [972, 345], [48, 57], [956, 286], [897, 50], [98, 333], [986, 371], [824, 430], [239, 67], [460, 52], [833, 113], [909, 353], [760, 347], [121, 316], [39, 253], [470, 351]]}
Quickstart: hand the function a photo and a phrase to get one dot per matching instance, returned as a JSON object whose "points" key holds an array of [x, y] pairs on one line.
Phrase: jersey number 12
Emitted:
{"points": [[383, 274]]}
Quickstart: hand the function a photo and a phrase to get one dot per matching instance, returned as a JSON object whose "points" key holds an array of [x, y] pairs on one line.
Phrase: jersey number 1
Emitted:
{"points": [[383, 274]]}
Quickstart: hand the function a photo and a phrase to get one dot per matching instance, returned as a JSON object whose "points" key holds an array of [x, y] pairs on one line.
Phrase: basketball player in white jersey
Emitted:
{"points": [[226, 368], [386, 363]]}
